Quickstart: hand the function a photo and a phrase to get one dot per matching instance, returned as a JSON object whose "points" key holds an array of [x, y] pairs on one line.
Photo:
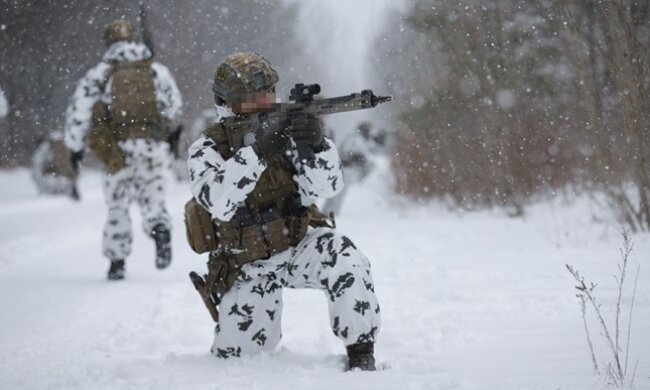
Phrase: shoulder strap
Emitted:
{"points": [[217, 133], [117, 65], [131, 64], [107, 76]]}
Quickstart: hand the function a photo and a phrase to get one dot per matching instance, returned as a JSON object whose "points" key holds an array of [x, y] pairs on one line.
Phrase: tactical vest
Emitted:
{"points": [[271, 220], [133, 111]]}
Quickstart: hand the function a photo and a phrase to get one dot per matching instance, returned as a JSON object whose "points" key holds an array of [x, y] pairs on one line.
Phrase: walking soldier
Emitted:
{"points": [[124, 109]]}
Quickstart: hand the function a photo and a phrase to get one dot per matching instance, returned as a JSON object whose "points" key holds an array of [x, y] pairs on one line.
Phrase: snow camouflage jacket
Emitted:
{"points": [[221, 185], [94, 87]]}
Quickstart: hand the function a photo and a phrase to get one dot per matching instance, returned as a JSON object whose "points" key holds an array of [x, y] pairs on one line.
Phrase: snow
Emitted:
{"points": [[343, 30], [4, 104], [469, 300], [506, 99]]}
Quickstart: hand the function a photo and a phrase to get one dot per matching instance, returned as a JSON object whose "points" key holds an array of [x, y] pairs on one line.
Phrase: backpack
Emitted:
{"points": [[134, 110], [133, 113]]}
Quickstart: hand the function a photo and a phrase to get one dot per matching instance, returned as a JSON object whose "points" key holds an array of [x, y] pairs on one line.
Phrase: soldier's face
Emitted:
{"points": [[254, 102]]}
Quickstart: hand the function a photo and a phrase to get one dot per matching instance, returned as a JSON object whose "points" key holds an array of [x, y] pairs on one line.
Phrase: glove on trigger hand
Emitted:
{"points": [[307, 129], [271, 144]]}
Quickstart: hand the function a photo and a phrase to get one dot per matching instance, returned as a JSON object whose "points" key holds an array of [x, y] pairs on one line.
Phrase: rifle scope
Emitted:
{"points": [[301, 92]]}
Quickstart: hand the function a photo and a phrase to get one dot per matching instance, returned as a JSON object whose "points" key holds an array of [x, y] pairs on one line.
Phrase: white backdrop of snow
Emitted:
{"points": [[469, 301], [335, 37]]}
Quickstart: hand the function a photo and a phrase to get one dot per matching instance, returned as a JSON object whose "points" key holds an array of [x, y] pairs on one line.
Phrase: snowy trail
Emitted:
{"points": [[473, 301]]}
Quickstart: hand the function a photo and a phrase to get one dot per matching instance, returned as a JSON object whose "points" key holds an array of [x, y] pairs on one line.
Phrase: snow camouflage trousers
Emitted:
{"points": [[143, 181], [251, 311]]}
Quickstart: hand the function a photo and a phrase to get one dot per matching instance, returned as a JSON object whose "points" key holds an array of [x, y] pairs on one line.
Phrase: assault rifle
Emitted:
{"points": [[302, 102]]}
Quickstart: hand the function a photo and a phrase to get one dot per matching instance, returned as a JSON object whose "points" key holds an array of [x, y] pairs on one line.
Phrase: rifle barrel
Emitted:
{"points": [[144, 27]]}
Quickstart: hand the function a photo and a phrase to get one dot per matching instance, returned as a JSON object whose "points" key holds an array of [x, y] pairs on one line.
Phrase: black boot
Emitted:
{"points": [[361, 356], [162, 237], [116, 271]]}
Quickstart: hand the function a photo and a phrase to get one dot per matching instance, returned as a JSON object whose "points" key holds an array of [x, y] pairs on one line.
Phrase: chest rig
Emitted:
{"points": [[134, 109], [272, 218]]}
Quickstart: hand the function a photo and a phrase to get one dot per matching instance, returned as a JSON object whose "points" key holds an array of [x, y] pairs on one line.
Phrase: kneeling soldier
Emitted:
{"points": [[267, 234]]}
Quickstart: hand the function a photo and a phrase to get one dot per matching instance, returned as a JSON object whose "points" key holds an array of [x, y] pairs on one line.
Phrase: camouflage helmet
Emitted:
{"points": [[118, 30], [242, 73]]}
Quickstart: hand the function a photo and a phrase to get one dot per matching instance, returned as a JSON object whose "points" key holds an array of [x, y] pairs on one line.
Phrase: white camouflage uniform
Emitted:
{"points": [[355, 156], [251, 311], [147, 161]]}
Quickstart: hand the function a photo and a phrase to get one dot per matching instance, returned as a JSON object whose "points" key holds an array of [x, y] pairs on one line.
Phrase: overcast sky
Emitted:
{"points": [[337, 35]]}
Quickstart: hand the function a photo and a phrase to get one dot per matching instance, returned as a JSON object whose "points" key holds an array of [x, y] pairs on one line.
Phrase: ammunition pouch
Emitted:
{"points": [[102, 141], [248, 242], [103, 138], [244, 239], [199, 229], [272, 221], [222, 274], [248, 236]]}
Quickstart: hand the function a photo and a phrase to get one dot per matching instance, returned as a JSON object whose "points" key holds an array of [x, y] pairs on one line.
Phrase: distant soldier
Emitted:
{"points": [[125, 108], [356, 150], [52, 169], [259, 189]]}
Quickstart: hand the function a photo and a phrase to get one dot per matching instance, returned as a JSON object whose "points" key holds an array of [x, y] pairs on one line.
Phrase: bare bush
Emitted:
{"points": [[616, 364], [505, 100]]}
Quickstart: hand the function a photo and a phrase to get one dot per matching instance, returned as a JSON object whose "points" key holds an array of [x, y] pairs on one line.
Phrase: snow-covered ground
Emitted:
{"points": [[469, 301]]}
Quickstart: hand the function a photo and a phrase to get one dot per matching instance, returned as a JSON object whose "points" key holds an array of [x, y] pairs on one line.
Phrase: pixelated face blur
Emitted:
{"points": [[253, 102]]}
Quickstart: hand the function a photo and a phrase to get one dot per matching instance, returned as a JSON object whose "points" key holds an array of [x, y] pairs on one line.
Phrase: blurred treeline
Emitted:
{"points": [[497, 102], [500, 102], [46, 46]]}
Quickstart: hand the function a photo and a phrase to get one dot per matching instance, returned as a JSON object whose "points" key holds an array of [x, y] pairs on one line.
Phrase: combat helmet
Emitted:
{"points": [[118, 30], [242, 73]]}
